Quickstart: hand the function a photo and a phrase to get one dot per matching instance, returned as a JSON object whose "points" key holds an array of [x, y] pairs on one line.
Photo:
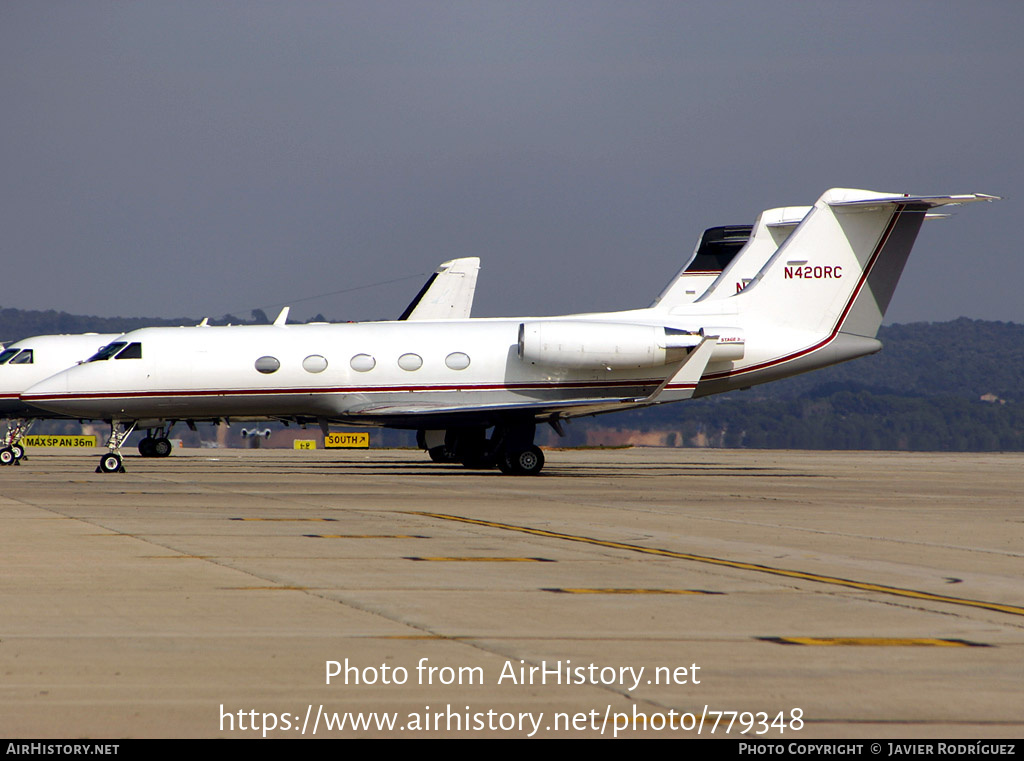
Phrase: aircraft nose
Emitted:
{"points": [[48, 394]]}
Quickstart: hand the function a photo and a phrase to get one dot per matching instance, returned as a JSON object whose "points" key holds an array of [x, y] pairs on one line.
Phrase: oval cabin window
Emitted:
{"points": [[314, 363], [457, 360], [362, 363], [267, 365], [410, 362]]}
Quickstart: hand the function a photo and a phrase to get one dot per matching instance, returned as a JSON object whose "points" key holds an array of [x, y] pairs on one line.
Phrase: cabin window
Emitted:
{"points": [[363, 363], [457, 360], [107, 351], [268, 365], [131, 351], [25, 358], [410, 362], [7, 354], [314, 363]]}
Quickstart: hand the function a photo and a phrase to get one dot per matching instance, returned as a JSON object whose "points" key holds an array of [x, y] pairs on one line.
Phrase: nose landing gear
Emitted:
{"points": [[112, 462]]}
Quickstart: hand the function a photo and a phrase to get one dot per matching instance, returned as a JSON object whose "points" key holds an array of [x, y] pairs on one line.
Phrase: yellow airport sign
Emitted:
{"points": [[59, 441], [305, 444], [357, 440]]}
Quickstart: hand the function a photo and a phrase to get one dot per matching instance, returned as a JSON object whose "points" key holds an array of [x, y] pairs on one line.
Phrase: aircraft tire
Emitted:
{"points": [[146, 447], [7, 456], [110, 463], [525, 462], [19, 451], [162, 447], [438, 454]]}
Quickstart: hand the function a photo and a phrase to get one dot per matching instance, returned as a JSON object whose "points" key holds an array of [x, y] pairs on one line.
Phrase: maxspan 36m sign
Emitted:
{"points": [[59, 441]]}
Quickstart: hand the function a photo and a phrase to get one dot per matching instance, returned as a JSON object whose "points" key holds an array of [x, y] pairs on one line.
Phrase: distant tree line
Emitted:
{"points": [[16, 324], [951, 386], [842, 419]]}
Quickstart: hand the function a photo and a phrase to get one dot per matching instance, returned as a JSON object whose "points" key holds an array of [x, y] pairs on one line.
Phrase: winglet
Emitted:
{"points": [[283, 317], [448, 293]]}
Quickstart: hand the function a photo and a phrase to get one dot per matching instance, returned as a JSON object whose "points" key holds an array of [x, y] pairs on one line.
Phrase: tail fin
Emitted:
{"points": [[772, 228], [838, 270], [715, 249], [448, 293]]}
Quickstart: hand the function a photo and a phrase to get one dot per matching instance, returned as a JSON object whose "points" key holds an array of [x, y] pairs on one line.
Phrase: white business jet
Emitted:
{"points": [[447, 294], [818, 300], [26, 362]]}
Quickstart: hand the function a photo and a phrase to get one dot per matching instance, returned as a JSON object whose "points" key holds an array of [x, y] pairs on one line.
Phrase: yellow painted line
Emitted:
{"points": [[873, 641], [269, 589], [484, 560], [365, 536], [179, 557], [1015, 610], [616, 591], [288, 520]]}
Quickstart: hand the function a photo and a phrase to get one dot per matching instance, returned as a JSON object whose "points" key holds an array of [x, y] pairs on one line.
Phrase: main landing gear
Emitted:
{"points": [[156, 443], [525, 462], [112, 462], [510, 448]]}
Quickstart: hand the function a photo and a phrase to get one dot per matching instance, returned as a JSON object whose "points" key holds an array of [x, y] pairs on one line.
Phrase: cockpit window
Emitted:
{"points": [[25, 358], [7, 354], [131, 351], [107, 351]]}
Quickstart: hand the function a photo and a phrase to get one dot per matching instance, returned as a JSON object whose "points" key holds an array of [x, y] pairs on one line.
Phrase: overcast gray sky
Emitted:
{"points": [[194, 158]]}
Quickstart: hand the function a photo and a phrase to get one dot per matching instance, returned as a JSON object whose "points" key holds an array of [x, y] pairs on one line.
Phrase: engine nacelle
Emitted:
{"points": [[617, 346], [599, 345]]}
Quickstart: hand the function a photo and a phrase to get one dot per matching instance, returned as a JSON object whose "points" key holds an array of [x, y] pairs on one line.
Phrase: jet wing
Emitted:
{"points": [[426, 414], [679, 383]]}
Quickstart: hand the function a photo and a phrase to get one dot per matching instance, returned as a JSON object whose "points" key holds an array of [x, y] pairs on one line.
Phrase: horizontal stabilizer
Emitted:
{"points": [[847, 199], [783, 217]]}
